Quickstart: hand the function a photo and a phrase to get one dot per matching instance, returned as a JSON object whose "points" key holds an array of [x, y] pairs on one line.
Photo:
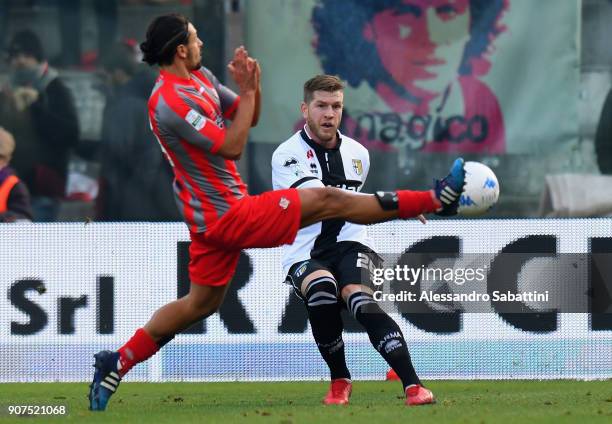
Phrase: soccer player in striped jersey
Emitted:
{"points": [[328, 263], [188, 109]]}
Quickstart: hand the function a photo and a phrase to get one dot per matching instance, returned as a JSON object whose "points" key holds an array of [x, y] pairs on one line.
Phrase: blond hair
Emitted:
{"points": [[327, 83], [7, 144]]}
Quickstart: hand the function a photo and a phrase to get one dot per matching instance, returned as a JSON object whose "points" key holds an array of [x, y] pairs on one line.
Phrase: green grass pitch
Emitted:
{"points": [[300, 402]]}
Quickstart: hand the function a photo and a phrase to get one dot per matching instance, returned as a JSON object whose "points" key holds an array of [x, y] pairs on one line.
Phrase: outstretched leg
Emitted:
{"points": [[318, 204]]}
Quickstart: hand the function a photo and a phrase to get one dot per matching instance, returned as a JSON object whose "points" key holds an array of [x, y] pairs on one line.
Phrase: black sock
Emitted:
{"points": [[385, 335], [324, 315]]}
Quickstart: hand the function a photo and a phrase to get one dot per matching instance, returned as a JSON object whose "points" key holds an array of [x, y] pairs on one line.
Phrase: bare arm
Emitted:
{"points": [[244, 71], [257, 98]]}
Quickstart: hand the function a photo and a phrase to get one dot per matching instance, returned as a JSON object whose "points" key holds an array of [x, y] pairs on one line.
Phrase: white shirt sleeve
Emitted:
{"points": [[366, 166], [289, 172]]}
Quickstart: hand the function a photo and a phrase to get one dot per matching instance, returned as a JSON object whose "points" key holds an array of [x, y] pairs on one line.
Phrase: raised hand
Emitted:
{"points": [[244, 71]]}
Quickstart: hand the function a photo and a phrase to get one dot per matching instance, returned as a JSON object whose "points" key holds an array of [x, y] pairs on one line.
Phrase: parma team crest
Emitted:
{"points": [[357, 166]]}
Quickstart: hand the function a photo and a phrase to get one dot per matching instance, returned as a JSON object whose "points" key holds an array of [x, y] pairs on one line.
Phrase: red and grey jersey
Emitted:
{"points": [[188, 118], [299, 162]]}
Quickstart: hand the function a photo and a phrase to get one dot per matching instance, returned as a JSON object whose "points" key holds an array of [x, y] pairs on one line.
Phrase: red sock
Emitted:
{"points": [[415, 203], [139, 348]]}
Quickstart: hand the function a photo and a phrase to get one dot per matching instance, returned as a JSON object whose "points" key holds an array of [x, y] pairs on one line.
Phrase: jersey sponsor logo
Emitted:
{"points": [[357, 166], [294, 165], [219, 121], [313, 169], [347, 185], [309, 154], [195, 119]]}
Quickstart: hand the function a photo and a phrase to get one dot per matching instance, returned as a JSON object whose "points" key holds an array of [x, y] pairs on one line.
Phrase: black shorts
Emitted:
{"points": [[349, 262]]}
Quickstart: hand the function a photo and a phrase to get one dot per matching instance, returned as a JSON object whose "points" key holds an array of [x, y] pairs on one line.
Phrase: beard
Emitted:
{"points": [[194, 61], [317, 130]]}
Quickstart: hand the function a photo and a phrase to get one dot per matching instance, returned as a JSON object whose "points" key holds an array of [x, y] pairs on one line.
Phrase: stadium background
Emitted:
{"points": [[74, 288]]}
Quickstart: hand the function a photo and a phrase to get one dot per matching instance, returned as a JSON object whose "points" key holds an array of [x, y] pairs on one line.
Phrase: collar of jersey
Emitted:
{"points": [[169, 76], [318, 147]]}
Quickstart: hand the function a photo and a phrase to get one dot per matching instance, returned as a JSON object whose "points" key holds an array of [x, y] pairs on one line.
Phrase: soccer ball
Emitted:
{"points": [[481, 190]]}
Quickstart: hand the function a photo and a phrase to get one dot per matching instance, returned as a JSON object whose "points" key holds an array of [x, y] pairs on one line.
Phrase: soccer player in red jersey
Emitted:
{"points": [[187, 109]]}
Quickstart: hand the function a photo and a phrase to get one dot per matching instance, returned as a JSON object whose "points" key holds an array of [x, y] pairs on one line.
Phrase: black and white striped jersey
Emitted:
{"points": [[299, 162]]}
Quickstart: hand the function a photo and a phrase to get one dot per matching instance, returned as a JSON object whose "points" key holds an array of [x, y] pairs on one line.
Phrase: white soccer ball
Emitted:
{"points": [[481, 190]]}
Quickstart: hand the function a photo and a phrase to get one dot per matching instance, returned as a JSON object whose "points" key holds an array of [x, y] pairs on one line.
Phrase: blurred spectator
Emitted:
{"points": [[603, 137], [39, 110], [14, 195], [134, 177], [72, 30]]}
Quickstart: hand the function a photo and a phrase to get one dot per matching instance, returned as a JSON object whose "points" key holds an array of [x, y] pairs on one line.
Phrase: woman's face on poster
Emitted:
{"points": [[421, 42]]}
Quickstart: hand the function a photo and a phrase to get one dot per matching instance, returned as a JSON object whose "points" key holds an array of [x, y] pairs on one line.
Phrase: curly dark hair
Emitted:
{"points": [[164, 34], [344, 51]]}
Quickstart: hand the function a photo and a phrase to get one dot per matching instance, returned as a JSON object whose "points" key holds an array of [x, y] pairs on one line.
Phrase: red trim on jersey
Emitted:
{"points": [[204, 167], [224, 190], [210, 130], [230, 110], [209, 102], [188, 211], [231, 167], [213, 102], [216, 147], [209, 107], [200, 161], [185, 195], [208, 209]]}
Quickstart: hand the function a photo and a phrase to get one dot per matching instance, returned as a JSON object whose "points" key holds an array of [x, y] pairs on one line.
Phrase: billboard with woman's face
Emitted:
{"points": [[473, 76]]}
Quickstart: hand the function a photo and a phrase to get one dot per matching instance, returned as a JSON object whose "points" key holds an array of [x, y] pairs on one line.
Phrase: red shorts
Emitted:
{"points": [[268, 220]]}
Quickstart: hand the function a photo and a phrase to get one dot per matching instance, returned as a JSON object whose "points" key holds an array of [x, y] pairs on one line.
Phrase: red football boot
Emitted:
{"points": [[392, 375], [339, 392], [418, 395]]}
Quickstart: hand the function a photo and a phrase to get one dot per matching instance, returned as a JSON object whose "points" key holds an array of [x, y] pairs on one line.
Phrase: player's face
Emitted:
{"points": [[194, 49], [323, 114], [421, 42], [21, 61]]}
